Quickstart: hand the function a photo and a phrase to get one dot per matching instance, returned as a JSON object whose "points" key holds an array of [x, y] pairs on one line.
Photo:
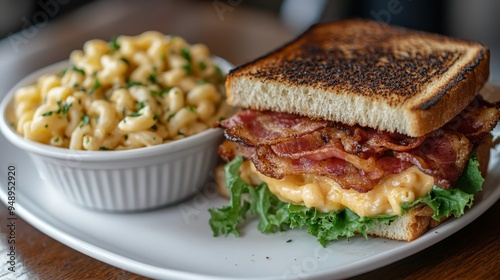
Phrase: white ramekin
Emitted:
{"points": [[121, 181]]}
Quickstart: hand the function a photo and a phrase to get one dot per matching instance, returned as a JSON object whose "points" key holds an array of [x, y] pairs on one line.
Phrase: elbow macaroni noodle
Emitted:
{"points": [[133, 92]]}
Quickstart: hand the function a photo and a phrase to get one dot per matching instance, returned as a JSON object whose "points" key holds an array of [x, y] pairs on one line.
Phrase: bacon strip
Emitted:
{"points": [[320, 146], [267, 127], [345, 173], [476, 120], [442, 156], [282, 144]]}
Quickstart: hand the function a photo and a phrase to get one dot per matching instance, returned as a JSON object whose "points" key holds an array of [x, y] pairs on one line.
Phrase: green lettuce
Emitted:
{"points": [[452, 202], [274, 215], [246, 199]]}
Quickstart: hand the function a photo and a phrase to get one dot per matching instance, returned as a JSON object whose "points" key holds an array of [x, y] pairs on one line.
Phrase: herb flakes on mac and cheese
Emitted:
{"points": [[132, 92]]}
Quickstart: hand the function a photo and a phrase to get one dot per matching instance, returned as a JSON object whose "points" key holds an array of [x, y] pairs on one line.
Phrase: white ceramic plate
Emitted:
{"points": [[177, 243]]}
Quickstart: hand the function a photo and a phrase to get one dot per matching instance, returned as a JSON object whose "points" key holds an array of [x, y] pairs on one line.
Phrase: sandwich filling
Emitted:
{"points": [[326, 195], [329, 165], [341, 180]]}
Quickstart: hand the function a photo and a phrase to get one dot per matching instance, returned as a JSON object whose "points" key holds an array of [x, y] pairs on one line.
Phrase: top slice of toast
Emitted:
{"points": [[367, 73]]}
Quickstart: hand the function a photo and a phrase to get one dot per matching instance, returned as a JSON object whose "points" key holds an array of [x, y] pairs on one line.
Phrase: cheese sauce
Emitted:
{"points": [[326, 195]]}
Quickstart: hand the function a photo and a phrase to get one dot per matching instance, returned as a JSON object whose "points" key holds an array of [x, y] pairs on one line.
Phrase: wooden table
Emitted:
{"points": [[471, 253]]}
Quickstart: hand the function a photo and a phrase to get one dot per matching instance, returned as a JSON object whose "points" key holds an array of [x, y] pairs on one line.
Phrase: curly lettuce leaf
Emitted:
{"points": [[225, 220], [247, 200], [471, 181], [331, 226]]}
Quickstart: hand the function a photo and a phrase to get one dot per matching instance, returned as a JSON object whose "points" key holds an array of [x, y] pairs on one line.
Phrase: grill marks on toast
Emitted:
{"points": [[375, 72]]}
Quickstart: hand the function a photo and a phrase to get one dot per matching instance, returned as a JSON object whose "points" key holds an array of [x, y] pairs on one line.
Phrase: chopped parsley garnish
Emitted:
{"points": [[114, 44], [202, 65], [170, 117], [187, 67], [152, 78], [77, 69], [132, 83], [191, 108], [85, 119], [141, 105], [161, 92], [96, 85], [65, 108], [134, 115], [186, 54]]}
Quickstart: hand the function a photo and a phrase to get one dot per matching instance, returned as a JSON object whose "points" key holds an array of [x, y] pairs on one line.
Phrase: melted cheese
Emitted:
{"points": [[326, 195]]}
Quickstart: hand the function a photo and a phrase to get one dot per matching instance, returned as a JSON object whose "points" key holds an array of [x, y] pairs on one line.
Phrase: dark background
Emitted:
{"points": [[422, 14]]}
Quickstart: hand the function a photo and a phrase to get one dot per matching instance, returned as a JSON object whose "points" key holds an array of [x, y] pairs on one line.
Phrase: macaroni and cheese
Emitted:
{"points": [[132, 92]]}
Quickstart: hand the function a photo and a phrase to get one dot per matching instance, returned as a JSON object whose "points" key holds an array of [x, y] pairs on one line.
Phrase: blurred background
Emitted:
{"points": [[35, 33]]}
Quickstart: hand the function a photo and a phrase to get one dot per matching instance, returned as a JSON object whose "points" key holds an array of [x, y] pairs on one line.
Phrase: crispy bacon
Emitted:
{"points": [[476, 120], [228, 150], [320, 146], [282, 144], [344, 172], [442, 156], [266, 127], [348, 176]]}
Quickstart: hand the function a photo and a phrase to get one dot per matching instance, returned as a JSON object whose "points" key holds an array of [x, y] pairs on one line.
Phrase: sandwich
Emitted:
{"points": [[356, 128]]}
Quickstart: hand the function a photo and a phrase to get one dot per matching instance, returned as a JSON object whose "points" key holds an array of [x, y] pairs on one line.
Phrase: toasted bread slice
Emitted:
{"points": [[407, 227], [367, 73]]}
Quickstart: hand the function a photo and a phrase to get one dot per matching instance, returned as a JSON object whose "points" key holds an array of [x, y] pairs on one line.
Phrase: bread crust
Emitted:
{"points": [[352, 70], [408, 226]]}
